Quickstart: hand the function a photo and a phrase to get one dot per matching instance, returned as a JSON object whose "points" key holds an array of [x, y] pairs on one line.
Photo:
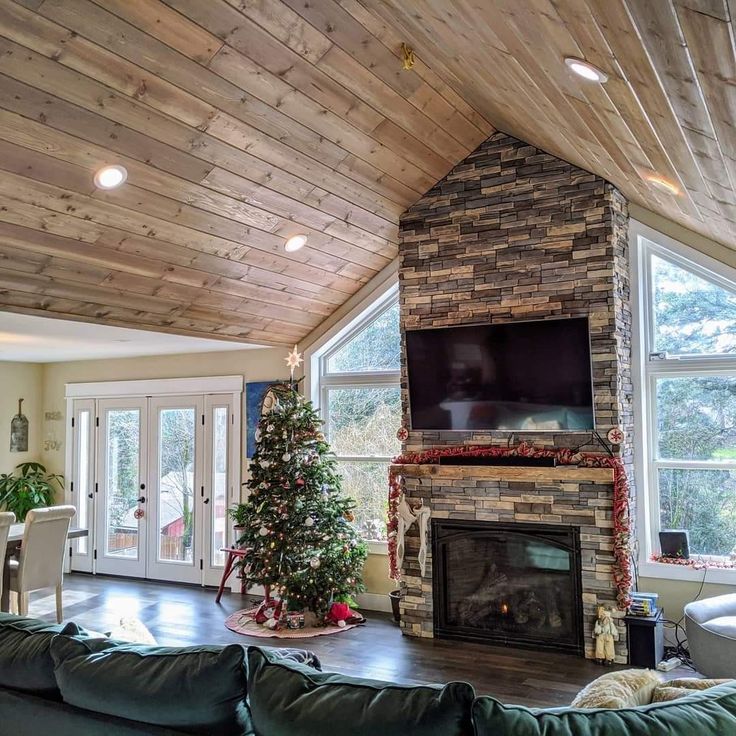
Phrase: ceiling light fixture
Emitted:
{"points": [[110, 177], [295, 242], [664, 185], [586, 70]]}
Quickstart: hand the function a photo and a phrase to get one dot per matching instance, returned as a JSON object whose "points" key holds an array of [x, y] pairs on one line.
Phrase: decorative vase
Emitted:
{"points": [[395, 596], [238, 532]]}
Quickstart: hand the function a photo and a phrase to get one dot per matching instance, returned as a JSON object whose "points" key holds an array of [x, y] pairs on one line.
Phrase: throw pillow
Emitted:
{"points": [[286, 697], [621, 689], [192, 689], [706, 713], [25, 654]]}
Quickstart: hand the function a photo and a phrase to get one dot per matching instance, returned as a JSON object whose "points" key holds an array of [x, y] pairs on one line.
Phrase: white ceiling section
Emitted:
{"points": [[32, 339]]}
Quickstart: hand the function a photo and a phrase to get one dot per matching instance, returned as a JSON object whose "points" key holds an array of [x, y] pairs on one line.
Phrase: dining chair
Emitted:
{"points": [[7, 518], [40, 563]]}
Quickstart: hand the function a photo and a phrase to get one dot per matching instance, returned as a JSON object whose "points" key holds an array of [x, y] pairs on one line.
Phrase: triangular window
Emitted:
{"points": [[376, 347], [693, 315]]}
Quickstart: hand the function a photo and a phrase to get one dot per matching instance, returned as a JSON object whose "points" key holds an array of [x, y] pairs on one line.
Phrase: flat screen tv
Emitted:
{"points": [[517, 376]]}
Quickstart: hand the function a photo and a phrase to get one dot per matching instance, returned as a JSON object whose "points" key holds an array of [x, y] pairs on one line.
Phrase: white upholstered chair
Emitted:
{"points": [[41, 561], [6, 519]]}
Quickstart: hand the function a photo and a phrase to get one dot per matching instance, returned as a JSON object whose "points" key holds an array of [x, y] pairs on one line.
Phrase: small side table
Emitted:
{"points": [[646, 640], [233, 553]]}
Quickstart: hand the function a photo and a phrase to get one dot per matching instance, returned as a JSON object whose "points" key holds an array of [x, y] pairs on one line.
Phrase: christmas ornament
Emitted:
{"points": [[309, 521], [300, 481], [294, 360], [264, 464], [349, 516], [263, 531], [615, 435], [286, 457], [270, 428], [403, 434], [314, 563]]}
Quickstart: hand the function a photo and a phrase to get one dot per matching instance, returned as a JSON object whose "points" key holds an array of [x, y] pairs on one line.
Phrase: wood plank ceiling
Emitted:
{"points": [[243, 122]]}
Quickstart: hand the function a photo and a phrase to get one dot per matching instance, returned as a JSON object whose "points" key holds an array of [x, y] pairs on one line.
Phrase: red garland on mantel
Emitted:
{"points": [[621, 521]]}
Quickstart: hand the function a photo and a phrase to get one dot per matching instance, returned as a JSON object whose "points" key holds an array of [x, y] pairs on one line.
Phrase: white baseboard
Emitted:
{"points": [[374, 602]]}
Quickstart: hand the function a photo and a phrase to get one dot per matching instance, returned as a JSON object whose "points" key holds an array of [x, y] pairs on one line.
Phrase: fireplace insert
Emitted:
{"points": [[513, 584]]}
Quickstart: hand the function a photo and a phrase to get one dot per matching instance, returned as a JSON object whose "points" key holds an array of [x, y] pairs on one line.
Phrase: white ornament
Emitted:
{"points": [[615, 435], [264, 463], [270, 427], [257, 435], [271, 623], [341, 624], [314, 563], [263, 531], [286, 457], [309, 521]]}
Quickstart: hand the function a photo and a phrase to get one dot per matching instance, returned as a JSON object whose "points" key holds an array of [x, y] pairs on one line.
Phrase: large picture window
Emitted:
{"points": [[687, 397], [360, 399]]}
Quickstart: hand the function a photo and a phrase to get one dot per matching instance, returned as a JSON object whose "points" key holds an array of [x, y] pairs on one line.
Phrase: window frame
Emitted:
{"points": [[647, 368], [320, 380]]}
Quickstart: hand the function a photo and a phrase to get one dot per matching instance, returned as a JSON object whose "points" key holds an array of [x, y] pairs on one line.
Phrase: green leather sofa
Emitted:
{"points": [[62, 681]]}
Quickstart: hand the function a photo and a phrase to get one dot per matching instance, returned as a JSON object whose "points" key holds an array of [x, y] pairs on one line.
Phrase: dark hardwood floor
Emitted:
{"points": [[181, 615]]}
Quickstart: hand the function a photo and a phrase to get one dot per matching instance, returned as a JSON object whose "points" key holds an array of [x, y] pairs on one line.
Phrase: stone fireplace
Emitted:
{"points": [[513, 233], [516, 584]]}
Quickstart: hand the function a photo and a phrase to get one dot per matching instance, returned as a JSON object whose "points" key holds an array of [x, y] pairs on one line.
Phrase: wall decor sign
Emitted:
{"points": [[19, 431], [255, 394]]}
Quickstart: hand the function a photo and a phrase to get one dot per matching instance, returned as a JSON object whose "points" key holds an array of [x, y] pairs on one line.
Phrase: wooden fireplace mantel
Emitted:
{"points": [[506, 472]]}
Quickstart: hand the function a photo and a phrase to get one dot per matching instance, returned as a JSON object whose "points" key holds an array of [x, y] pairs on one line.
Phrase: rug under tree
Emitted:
{"points": [[244, 622]]}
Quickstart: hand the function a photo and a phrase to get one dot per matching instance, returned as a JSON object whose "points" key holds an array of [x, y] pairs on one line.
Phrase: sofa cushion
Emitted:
{"points": [[291, 698], [705, 713], [25, 654], [192, 689]]}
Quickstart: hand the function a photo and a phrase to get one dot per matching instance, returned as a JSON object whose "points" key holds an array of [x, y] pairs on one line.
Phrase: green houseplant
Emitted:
{"points": [[239, 514], [28, 487]]}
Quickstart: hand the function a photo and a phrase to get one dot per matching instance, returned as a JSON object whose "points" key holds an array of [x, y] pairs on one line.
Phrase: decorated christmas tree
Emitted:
{"points": [[299, 539]]}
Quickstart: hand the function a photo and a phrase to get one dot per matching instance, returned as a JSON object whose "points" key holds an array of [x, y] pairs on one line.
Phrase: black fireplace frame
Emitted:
{"points": [[446, 529]]}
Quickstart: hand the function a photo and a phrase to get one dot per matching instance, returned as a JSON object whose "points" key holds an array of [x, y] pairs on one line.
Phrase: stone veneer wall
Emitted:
{"points": [[515, 233], [563, 495]]}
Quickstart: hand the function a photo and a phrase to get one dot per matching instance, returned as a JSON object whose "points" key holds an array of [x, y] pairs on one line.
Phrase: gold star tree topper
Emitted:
{"points": [[294, 360]]}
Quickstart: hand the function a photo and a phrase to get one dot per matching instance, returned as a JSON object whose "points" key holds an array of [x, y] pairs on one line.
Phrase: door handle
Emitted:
{"points": [[90, 495], [142, 499], [206, 500]]}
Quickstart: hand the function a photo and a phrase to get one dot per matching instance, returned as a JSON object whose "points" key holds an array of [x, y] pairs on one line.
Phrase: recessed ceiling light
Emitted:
{"points": [[109, 177], [295, 242], [585, 70], [664, 185]]}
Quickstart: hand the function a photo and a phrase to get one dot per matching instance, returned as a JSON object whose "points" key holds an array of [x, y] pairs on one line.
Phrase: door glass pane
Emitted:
{"points": [[377, 347], [123, 451], [176, 484], [691, 314], [218, 502], [83, 478], [696, 418], [704, 503], [366, 484], [363, 421]]}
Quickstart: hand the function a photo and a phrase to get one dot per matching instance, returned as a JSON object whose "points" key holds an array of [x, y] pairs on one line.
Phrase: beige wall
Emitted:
{"points": [[20, 381], [675, 594]]}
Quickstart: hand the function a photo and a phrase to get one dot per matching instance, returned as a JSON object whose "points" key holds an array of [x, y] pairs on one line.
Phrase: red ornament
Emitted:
{"points": [[300, 481]]}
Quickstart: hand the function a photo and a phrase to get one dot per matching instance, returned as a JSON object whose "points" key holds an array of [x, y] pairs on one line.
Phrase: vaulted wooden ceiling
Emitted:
{"points": [[243, 122]]}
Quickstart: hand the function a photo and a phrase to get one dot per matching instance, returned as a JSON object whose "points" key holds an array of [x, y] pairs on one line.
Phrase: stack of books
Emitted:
{"points": [[644, 604]]}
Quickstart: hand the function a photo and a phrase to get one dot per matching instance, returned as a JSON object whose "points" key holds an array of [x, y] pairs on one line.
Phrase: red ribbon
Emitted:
{"points": [[621, 519]]}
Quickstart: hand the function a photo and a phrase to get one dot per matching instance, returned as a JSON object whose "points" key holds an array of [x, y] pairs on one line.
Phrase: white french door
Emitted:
{"points": [[121, 487], [152, 478]]}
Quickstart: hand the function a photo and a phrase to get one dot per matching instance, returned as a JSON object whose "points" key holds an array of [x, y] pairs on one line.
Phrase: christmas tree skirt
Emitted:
{"points": [[242, 622]]}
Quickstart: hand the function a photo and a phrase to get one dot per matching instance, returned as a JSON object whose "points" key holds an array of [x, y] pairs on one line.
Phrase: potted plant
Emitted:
{"points": [[28, 487], [239, 516]]}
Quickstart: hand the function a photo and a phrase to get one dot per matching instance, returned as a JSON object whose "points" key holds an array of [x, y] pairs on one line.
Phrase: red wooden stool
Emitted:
{"points": [[232, 554]]}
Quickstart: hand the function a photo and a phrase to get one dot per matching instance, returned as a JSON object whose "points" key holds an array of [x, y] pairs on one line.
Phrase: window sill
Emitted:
{"points": [[377, 548], [663, 571]]}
